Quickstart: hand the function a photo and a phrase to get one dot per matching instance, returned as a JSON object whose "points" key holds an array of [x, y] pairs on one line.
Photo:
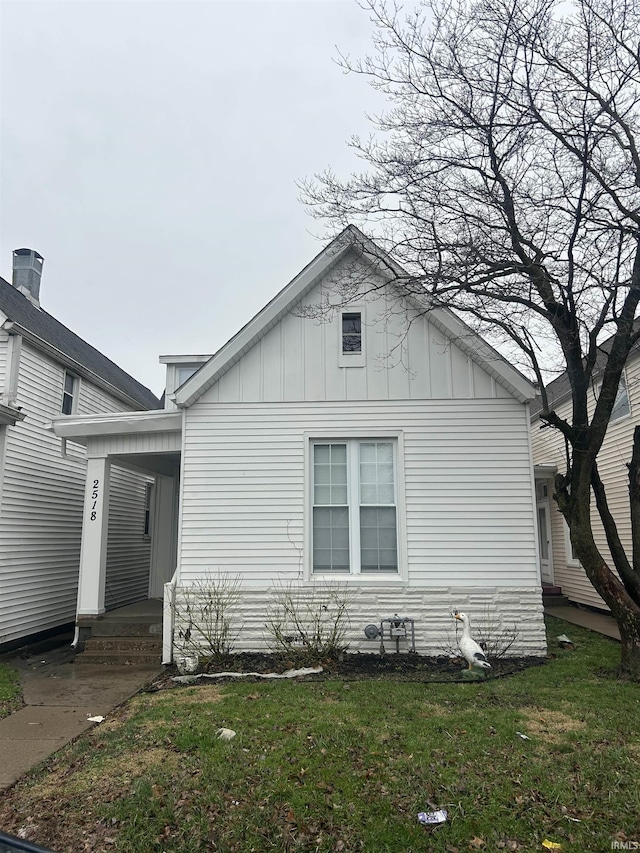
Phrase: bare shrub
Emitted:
{"points": [[204, 617], [309, 623]]}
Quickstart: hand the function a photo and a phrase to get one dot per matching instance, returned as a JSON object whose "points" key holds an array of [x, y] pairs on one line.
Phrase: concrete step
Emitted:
{"points": [[555, 600], [136, 644], [552, 596], [115, 628], [124, 657]]}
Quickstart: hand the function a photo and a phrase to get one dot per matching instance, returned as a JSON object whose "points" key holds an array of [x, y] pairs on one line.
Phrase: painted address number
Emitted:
{"points": [[94, 497]]}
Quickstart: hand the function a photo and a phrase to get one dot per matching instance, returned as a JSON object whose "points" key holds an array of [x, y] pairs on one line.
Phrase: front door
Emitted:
{"points": [[544, 532]]}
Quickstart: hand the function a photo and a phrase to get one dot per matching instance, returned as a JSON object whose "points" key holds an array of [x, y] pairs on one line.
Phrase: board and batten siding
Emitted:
{"points": [[42, 501], [548, 448], [297, 360], [467, 501]]}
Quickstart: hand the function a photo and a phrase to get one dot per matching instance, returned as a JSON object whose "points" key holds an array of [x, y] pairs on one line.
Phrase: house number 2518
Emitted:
{"points": [[94, 497]]}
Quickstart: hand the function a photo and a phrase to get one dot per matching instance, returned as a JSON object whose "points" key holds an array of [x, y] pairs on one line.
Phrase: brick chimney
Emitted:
{"points": [[27, 272]]}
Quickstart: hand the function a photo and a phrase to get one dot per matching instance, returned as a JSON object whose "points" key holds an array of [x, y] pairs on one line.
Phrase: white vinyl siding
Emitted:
{"points": [[548, 448], [466, 488], [128, 550], [4, 347], [41, 505]]}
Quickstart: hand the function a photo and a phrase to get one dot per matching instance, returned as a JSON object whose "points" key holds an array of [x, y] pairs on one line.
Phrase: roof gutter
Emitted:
{"points": [[14, 328], [9, 416]]}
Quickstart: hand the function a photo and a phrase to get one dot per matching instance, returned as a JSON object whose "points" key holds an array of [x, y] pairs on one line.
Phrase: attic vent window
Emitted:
{"points": [[352, 332], [68, 393]]}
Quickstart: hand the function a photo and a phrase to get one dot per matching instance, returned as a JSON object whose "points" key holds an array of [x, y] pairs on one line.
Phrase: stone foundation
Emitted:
{"points": [[492, 612]]}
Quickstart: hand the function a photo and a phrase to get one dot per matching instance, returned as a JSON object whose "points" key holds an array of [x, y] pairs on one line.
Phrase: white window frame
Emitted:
{"points": [[395, 437], [74, 394], [568, 547], [622, 387], [352, 359], [147, 521]]}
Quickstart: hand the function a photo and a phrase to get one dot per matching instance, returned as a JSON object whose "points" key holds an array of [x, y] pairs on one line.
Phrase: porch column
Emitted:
{"points": [[93, 553]]}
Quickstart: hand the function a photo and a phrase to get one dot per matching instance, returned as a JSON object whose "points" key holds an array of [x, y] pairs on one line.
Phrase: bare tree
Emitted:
{"points": [[505, 179]]}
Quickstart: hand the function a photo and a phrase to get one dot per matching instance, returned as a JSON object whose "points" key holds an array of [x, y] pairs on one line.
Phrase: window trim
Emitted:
{"points": [[622, 385], [352, 359], [74, 394], [568, 548], [336, 437], [147, 519]]}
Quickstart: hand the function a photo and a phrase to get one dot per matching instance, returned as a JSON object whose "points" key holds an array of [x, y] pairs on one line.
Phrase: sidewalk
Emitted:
{"points": [[600, 622], [58, 697]]}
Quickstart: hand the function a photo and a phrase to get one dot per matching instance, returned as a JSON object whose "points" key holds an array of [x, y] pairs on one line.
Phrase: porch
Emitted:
{"points": [[127, 635], [148, 446]]}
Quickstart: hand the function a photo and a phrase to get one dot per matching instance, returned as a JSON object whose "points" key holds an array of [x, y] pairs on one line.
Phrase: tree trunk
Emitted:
{"points": [[624, 609], [629, 625], [634, 499], [626, 613]]}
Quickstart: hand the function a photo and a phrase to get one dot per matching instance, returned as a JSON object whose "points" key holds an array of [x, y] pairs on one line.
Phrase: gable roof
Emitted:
{"points": [[351, 239], [559, 390], [45, 332]]}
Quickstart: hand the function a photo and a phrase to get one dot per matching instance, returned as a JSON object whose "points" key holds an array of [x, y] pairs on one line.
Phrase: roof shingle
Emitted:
{"points": [[22, 311]]}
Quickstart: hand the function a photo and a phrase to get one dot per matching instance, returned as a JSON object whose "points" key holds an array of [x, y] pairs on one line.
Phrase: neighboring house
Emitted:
{"points": [[386, 448], [559, 566], [46, 370]]}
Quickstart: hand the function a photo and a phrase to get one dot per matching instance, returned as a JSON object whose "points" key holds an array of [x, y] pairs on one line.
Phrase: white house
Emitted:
{"points": [[383, 447], [559, 565], [46, 370]]}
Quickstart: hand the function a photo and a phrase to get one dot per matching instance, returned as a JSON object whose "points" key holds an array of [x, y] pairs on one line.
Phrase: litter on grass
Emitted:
{"points": [[551, 845], [226, 734], [524, 737], [433, 818], [565, 642], [290, 673]]}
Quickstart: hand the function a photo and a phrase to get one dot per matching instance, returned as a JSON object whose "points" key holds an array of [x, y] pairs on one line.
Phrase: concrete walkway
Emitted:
{"points": [[58, 697], [600, 622]]}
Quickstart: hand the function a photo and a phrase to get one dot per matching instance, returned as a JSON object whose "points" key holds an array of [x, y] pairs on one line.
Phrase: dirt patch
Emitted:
{"points": [[358, 667], [551, 725]]}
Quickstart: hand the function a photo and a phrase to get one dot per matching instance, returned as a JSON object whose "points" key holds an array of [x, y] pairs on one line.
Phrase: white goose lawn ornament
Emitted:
{"points": [[471, 651]]}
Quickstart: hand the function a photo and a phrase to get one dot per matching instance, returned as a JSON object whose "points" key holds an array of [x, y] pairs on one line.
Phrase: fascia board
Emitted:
{"points": [[545, 469], [83, 427], [263, 321], [67, 361], [179, 359]]}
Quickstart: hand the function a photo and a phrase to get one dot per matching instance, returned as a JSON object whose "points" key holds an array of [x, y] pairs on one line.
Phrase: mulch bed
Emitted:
{"points": [[356, 667]]}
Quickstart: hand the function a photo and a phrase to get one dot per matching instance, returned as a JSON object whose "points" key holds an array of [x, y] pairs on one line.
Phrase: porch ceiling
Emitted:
{"points": [[155, 463]]}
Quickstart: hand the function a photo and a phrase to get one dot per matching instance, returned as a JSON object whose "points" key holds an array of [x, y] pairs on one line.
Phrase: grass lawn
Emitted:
{"points": [[10, 693], [338, 766]]}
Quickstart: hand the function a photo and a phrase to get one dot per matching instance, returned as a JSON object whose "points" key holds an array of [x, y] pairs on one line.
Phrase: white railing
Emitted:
{"points": [[168, 610]]}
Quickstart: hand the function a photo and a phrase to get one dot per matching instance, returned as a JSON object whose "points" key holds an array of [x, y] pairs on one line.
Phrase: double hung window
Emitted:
{"points": [[355, 527], [148, 503], [69, 393]]}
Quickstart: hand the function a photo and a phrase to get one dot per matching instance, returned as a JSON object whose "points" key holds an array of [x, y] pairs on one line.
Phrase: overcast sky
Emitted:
{"points": [[150, 152]]}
